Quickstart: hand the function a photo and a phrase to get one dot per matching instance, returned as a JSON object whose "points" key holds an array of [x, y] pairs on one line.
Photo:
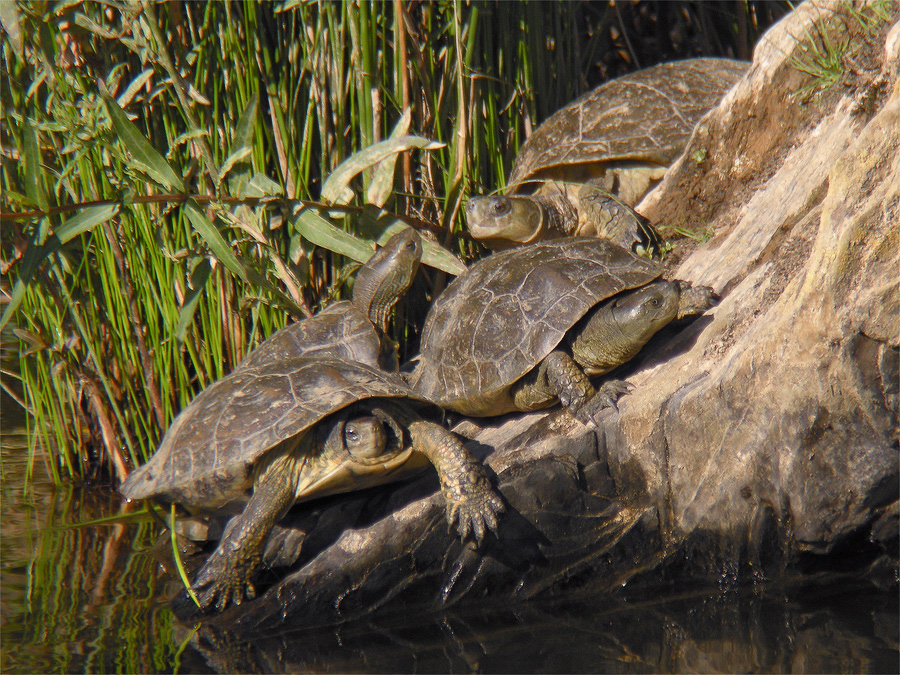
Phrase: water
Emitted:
{"points": [[83, 592]]}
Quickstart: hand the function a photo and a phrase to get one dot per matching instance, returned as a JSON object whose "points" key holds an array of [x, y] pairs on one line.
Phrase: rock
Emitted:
{"points": [[761, 442]]}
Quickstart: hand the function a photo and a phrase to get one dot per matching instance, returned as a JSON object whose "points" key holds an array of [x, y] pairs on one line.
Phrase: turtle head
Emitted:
{"points": [[616, 330], [357, 448], [387, 275], [642, 312], [364, 438], [645, 310], [504, 221]]}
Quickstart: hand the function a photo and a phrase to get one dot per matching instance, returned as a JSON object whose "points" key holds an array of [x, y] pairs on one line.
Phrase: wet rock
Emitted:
{"points": [[761, 442]]}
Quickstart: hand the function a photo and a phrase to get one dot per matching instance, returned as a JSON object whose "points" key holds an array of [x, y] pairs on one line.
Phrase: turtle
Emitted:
{"points": [[502, 221], [527, 327], [354, 329], [588, 164], [278, 432]]}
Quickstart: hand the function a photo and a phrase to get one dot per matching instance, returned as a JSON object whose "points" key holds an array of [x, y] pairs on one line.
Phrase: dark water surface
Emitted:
{"points": [[81, 592]]}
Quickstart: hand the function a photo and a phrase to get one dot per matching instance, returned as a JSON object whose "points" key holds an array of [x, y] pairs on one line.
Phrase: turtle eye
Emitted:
{"points": [[499, 207], [411, 245], [365, 438]]}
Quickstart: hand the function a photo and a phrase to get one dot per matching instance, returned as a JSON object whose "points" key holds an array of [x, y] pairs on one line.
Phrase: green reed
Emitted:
{"points": [[154, 156]]}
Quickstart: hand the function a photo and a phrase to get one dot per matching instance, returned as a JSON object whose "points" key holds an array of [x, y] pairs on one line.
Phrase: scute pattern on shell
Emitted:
{"points": [[341, 330], [611, 122], [206, 457], [508, 311]]}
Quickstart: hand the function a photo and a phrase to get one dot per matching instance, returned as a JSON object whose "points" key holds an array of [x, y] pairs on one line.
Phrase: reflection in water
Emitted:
{"points": [[849, 632], [76, 598], [91, 599]]}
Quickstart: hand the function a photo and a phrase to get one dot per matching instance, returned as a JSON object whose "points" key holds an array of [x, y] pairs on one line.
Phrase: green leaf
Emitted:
{"points": [[288, 5], [19, 199], [383, 176], [241, 147], [434, 255], [134, 87], [15, 299], [232, 159], [336, 188], [113, 80], [90, 25], [85, 221], [191, 298], [220, 248], [33, 186], [223, 252], [317, 230], [144, 156], [9, 18], [187, 136], [243, 132], [261, 186], [42, 247]]}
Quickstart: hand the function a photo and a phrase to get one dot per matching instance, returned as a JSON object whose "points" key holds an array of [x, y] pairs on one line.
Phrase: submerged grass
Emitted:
{"points": [[165, 168]]}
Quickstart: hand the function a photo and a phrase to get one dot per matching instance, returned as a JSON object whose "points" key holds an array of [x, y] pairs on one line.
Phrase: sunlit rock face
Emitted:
{"points": [[761, 441]]}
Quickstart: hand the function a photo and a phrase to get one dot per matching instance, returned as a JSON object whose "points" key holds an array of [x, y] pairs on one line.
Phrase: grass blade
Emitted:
{"points": [[176, 554], [144, 156], [85, 221], [33, 187]]}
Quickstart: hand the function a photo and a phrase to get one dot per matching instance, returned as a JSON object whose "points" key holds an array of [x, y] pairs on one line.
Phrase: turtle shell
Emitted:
{"points": [[500, 318], [341, 330], [646, 117], [207, 456]]}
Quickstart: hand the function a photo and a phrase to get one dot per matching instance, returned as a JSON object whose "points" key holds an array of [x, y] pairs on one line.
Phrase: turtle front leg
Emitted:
{"points": [[575, 391], [472, 506], [605, 215], [226, 578]]}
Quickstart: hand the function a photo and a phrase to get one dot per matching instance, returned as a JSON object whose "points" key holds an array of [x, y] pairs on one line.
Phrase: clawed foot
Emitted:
{"points": [[221, 583], [475, 513], [606, 397], [573, 398]]}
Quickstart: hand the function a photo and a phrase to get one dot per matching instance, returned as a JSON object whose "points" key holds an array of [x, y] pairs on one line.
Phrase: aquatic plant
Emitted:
{"points": [[179, 180]]}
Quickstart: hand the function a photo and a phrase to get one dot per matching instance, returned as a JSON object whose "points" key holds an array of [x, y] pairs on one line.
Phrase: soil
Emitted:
{"points": [[728, 159]]}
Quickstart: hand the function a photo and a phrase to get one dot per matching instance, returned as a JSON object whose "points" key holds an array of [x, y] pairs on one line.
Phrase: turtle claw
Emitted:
{"points": [[219, 584], [606, 397], [610, 392], [475, 514]]}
